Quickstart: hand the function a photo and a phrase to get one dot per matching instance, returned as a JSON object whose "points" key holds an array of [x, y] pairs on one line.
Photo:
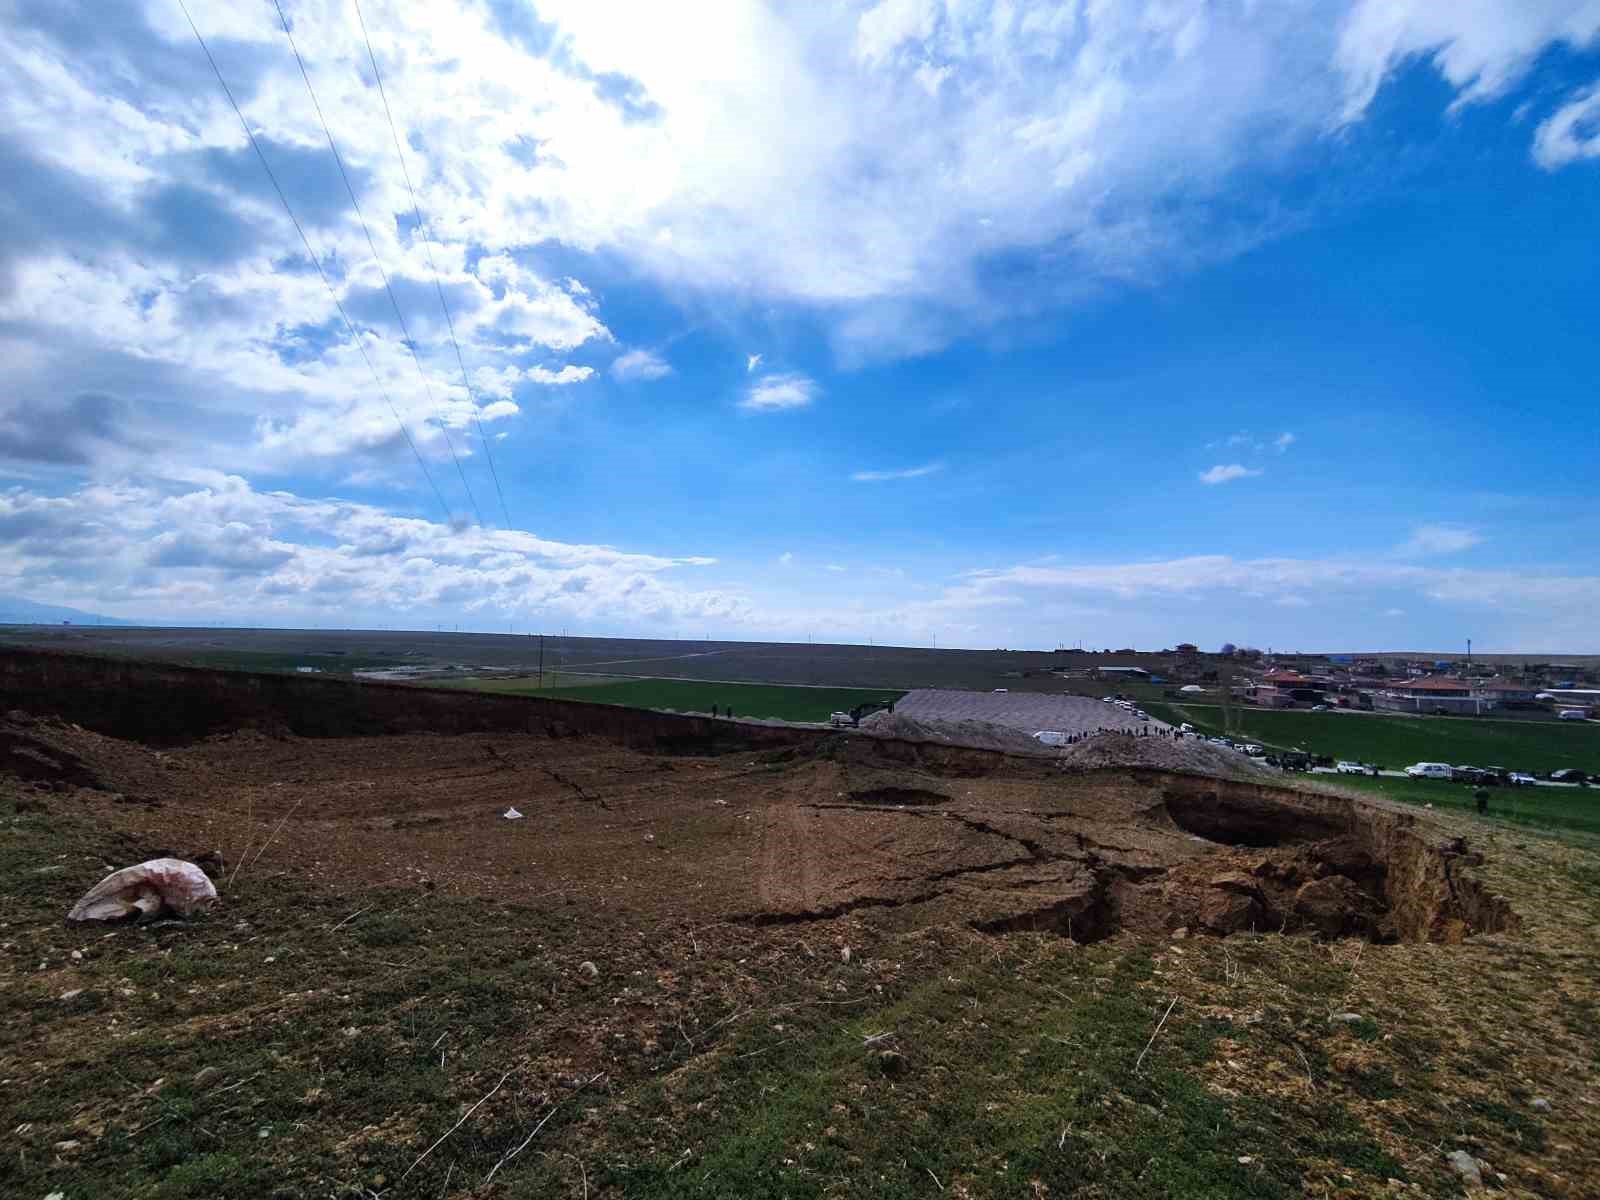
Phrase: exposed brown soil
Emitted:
{"points": [[662, 925], [865, 827]]}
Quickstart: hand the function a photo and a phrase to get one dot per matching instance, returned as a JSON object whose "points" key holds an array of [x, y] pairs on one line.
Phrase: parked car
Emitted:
{"points": [[1568, 775], [1572, 714], [1520, 779], [1253, 750], [1319, 708], [1347, 767], [1430, 770], [840, 718], [1186, 728], [1050, 737]]}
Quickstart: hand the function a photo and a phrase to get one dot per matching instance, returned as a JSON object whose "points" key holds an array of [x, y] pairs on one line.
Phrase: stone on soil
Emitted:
{"points": [[1229, 912], [1466, 1166], [1333, 905]]}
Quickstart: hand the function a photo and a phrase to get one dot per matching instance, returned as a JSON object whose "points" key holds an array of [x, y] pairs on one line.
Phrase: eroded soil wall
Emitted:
{"points": [[1421, 881], [162, 704]]}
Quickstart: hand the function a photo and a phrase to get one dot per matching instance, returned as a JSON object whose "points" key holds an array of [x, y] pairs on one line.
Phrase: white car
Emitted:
{"points": [[1428, 770], [841, 718], [1521, 779], [1186, 728], [1108, 699], [1346, 767], [1050, 737], [1253, 750], [1572, 714]]}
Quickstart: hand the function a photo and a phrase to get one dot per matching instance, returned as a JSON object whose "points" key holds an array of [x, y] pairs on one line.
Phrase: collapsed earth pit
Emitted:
{"points": [[1090, 854], [900, 834]]}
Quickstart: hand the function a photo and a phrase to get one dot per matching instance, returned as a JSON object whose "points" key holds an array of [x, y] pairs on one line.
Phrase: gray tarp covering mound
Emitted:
{"points": [[160, 885]]}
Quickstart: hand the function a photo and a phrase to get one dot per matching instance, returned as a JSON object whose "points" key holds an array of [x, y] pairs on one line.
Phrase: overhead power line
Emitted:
{"points": [[377, 260], [316, 262], [427, 244]]}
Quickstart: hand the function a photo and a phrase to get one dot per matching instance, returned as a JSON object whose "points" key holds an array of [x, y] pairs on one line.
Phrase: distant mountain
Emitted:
{"points": [[14, 610]]}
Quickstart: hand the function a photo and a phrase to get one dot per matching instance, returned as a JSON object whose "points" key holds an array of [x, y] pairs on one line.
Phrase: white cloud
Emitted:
{"points": [[751, 362], [225, 549], [1283, 441], [640, 366], [836, 568], [1394, 612], [889, 24], [1226, 472], [1104, 134], [1438, 539], [1570, 134], [773, 393], [908, 473], [499, 381], [567, 374], [786, 558], [1481, 47]]}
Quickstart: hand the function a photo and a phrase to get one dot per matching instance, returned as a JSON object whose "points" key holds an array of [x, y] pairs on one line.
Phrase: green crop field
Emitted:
{"points": [[1398, 741], [1558, 809], [745, 699]]}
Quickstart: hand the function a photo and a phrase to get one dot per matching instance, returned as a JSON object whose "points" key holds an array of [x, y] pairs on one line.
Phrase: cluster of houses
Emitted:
{"points": [[1385, 683], [1438, 688]]}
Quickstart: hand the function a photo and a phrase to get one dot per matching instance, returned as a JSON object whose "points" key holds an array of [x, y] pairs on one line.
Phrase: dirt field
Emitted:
{"points": [[859, 970], [1023, 711]]}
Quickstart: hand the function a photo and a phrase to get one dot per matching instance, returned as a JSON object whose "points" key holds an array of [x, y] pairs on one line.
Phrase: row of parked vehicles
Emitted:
{"points": [[1127, 706], [1491, 776]]}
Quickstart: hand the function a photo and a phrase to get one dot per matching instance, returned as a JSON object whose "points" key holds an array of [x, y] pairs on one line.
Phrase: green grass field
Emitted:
{"points": [[1398, 741], [778, 701], [1560, 809]]}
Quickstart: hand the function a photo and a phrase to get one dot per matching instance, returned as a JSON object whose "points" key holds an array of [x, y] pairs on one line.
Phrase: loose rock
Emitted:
{"points": [[1540, 1104], [1334, 905], [1229, 912], [1465, 1166], [588, 970]]}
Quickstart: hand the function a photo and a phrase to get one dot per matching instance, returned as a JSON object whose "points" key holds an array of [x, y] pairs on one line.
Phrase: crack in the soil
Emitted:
{"points": [[576, 787], [844, 907]]}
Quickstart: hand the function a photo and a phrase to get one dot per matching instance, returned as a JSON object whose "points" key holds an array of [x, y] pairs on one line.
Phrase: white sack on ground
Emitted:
{"points": [[160, 885]]}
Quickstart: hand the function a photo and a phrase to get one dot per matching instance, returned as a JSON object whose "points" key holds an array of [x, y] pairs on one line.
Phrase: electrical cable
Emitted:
{"points": [[422, 230], [315, 261], [373, 246]]}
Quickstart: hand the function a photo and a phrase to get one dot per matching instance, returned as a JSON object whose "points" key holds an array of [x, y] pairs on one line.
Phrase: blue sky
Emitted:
{"points": [[1021, 325]]}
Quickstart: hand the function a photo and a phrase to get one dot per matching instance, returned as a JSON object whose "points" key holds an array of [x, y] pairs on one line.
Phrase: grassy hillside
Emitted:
{"points": [[1563, 810]]}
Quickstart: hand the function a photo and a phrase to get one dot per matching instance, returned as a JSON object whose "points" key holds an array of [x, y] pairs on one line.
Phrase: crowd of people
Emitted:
{"points": [[1165, 731]]}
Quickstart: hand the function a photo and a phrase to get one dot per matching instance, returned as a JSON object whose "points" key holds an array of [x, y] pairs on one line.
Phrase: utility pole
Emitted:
{"points": [[541, 660]]}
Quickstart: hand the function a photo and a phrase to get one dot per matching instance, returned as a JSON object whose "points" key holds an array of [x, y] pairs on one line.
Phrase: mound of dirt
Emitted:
{"points": [[979, 735], [1165, 754]]}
